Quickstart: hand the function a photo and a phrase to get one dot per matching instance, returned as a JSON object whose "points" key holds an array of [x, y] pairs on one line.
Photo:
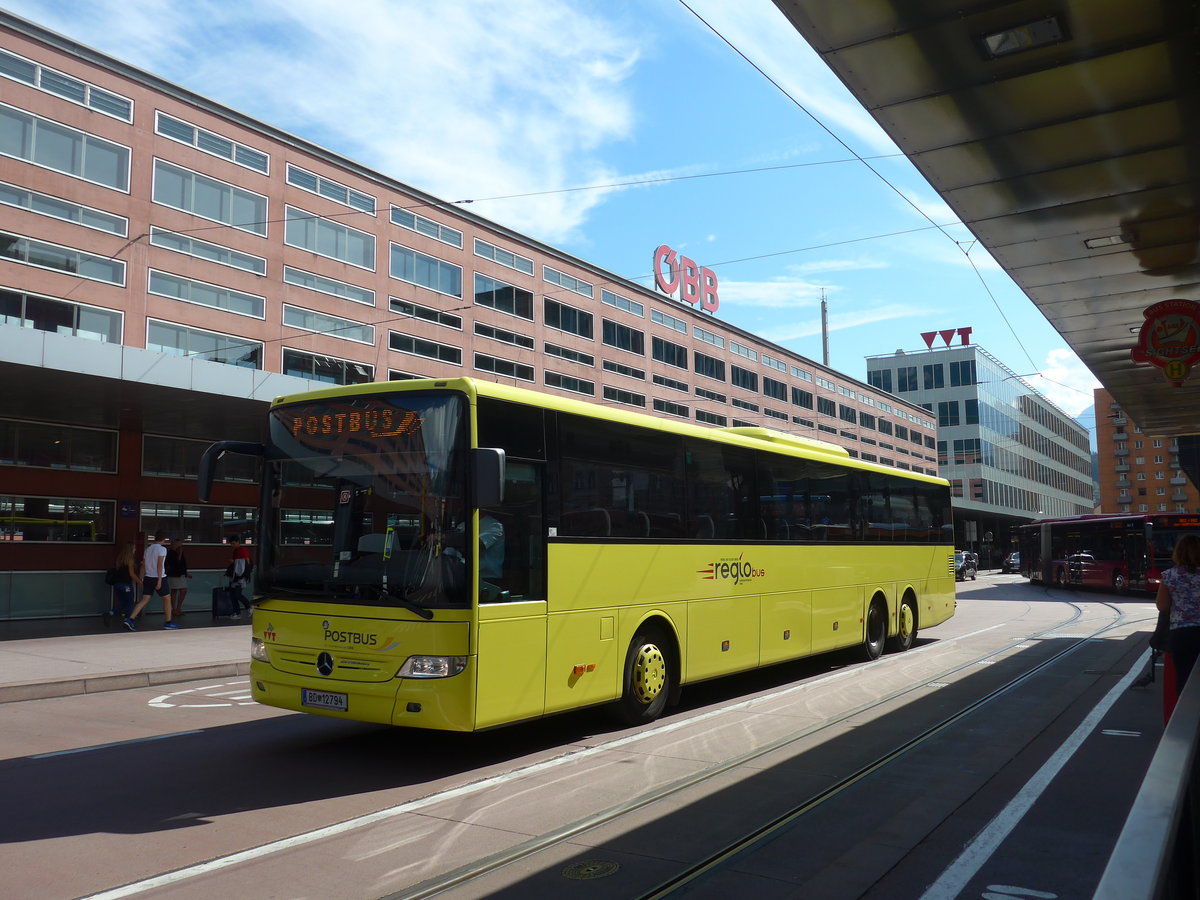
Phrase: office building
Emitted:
{"points": [[168, 266], [1010, 455]]}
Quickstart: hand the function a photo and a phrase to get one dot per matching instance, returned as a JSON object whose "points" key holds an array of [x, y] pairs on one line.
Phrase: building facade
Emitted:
{"points": [[168, 266], [1138, 473], [1010, 455]]}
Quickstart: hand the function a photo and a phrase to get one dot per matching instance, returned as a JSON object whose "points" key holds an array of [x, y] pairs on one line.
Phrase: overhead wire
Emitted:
{"points": [[865, 162], [855, 157]]}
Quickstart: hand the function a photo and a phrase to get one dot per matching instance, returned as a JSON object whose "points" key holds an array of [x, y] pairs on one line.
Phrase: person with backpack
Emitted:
{"points": [[238, 573], [176, 568]]}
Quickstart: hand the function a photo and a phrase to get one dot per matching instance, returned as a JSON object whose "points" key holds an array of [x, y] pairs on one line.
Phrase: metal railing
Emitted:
{"points": [[1157, 856]]}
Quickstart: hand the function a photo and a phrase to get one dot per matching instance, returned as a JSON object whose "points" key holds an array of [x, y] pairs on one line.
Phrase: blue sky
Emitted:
{"points": [[478, 99]]}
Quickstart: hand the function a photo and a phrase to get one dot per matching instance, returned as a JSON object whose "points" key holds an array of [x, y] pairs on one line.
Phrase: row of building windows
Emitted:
{"points": [[28, 519], [43, 142], [67, 87], [933, 377], [49, 445], [209, 198], [215, 200]]}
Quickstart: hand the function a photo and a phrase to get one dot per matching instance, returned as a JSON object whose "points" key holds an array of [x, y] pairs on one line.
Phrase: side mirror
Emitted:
{"points": [[487, 476], [210, 457]]}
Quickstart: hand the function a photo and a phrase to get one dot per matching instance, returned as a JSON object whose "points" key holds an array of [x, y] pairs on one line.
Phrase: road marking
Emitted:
{"points": [[954, 879], [383, 815], [145, 740], [209, 692], [1008, 892]]}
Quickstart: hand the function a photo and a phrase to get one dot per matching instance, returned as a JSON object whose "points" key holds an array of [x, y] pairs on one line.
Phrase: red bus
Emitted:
{"points": [[1121, 552]]}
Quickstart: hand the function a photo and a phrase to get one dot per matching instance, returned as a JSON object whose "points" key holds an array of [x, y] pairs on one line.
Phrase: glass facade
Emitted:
{"points": [[1005, 448]]}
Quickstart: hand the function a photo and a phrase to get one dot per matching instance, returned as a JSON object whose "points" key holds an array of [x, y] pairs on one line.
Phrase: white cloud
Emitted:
{"points": [[461, 98], [780, 293], [841, 321], [839, 265], [760, 31], [1066, 381]]}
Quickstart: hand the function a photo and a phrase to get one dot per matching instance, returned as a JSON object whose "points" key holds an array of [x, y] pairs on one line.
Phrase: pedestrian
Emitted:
{"points": [[124, 576], [177, 577], [154, 581], [1179, 593], [238, 573]]}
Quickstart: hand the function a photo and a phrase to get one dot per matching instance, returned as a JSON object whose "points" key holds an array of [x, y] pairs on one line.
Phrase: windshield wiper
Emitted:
{"points": [[388, 597]]}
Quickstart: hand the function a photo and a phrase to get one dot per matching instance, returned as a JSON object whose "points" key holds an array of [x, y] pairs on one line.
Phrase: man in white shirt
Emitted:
{"points": [[154, 581]]}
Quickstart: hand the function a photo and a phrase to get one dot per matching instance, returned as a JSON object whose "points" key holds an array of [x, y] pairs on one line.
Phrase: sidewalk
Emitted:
{"points": [[37, 667]]}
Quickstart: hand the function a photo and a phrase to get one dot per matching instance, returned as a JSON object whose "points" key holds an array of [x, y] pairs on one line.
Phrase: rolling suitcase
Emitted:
{"points": [[223, 603]]}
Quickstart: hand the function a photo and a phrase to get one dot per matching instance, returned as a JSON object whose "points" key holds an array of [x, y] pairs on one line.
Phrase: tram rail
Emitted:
{"points": [[550, 841]]}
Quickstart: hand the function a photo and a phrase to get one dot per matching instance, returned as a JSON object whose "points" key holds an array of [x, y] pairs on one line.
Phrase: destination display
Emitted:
{"points": [[333, 420]]}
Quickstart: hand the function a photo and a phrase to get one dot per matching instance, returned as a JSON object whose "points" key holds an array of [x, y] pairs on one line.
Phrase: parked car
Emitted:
{"points": [[965, 566], [1012, 563]]}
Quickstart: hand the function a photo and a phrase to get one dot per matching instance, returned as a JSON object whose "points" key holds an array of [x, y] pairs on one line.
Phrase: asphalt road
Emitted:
{"points": [[191, 790]]}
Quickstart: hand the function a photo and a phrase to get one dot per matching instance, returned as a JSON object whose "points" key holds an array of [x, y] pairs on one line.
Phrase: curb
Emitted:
{"points": [[117, 681]]}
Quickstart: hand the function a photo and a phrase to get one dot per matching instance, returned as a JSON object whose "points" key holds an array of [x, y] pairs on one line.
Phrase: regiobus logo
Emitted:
{"points": [[735, 569]]}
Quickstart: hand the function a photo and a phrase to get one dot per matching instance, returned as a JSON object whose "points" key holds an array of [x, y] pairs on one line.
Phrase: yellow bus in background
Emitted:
{"points": [[454, 554]]}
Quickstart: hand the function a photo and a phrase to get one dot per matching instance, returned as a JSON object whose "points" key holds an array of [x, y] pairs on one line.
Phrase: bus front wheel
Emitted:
{"points": [[906, 626], [876, 629], [648, 679], [1120, 582]]}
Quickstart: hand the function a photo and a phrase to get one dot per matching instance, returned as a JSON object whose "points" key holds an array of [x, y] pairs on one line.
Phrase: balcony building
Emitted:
{"points": [[1139, 473]]}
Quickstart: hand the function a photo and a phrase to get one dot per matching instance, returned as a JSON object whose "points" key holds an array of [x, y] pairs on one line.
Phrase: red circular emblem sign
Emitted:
{"points": [[1170, 337]]}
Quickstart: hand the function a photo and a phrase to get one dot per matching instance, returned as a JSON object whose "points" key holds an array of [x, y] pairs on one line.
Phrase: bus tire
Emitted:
{"points": [[1120, 582], [906, 626], [648, 679], [876, 629]]}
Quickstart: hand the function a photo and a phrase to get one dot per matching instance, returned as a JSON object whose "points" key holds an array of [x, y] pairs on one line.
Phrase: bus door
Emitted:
{"points": [[512, 600]]}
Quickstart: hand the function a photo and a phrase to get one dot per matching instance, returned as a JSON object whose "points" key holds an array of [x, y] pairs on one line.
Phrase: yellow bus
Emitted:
{"points": [[455, 554]]}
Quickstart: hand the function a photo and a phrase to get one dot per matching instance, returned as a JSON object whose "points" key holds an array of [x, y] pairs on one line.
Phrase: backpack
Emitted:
{"points": [[111, 575]]}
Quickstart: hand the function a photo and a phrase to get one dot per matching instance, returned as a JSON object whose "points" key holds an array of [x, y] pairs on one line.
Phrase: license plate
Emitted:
{"points": [[323, 700]]}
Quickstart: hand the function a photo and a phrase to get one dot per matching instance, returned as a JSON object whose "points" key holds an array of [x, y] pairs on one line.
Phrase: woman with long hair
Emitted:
{"points": [[1180, 593], [124, 577]]}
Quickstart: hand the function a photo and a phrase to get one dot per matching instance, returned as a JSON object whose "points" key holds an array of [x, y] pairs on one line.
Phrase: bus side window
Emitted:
{"points": [[522, 574], [722, 490]]}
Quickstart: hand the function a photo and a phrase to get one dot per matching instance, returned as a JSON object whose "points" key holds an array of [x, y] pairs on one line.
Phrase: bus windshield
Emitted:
{"points": [[367, 497]]}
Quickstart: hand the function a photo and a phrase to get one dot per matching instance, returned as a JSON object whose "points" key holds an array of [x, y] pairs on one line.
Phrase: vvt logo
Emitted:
{"points": [[735, 569], [695, 284]]}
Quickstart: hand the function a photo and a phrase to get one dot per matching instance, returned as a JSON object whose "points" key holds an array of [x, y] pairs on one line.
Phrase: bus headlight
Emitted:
{"points": [[432, 666], [258, 650]]}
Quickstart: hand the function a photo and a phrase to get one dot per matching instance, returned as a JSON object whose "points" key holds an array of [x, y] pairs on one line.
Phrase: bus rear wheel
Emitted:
{"points": [[1120, 583], [649, 671], [906, 626], [876, 629]]}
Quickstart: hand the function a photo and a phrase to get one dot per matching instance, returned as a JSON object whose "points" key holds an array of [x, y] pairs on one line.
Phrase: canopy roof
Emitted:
{"points": [[1063, 135]]}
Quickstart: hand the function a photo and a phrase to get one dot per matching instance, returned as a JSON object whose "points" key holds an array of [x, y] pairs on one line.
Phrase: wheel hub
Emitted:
{"points": [[906, 621], [649, 673]]}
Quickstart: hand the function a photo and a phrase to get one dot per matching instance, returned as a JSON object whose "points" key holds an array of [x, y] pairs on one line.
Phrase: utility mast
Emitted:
{"points": [[824, 329]]}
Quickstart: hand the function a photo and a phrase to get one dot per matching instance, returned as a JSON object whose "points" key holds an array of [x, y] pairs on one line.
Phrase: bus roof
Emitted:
{"points": [[745, 436]]}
